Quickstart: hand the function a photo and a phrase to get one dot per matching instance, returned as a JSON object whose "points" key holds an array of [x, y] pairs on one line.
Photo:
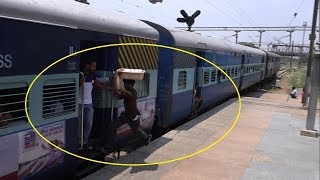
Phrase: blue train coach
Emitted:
{"points": [[36, 33]]}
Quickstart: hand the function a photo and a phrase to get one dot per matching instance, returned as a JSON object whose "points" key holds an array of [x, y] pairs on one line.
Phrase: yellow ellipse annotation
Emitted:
{"points": [[137, 164]]}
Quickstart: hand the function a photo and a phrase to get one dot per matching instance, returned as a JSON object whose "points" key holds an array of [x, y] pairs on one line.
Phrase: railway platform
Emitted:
{"points": [[265, 144]]}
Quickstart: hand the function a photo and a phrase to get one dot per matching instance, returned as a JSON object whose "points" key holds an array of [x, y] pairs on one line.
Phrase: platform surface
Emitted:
{"points": [[265, 144]]}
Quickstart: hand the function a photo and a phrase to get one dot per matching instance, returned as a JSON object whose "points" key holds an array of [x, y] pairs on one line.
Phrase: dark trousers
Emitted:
{"points": [[134, 125]]}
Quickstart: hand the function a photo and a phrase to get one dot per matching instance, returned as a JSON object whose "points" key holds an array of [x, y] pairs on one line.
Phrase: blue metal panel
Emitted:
{"points": [[42, 45], [250, 79], [217, 92], [165, 76], [181, 107], [221, 58]]}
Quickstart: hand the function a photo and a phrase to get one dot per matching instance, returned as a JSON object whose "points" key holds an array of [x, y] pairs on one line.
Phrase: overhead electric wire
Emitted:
{"points": [[243, 15], [292, 20], [226, 14]]}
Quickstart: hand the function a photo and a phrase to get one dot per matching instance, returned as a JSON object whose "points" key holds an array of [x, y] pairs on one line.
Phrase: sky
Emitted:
{"points": [[217, 13]]}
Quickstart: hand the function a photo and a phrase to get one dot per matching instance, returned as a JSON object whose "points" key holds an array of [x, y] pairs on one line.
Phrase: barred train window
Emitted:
{"points": [[223, 75], [232, 72], [236, 71], [59, 98], [182, 80], [12, 110], [142, 86], [206, 76], [213, 75], [228, 72]]}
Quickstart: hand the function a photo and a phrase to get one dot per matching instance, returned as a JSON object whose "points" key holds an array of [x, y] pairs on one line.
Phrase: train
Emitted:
{"points": [[36, 33]]}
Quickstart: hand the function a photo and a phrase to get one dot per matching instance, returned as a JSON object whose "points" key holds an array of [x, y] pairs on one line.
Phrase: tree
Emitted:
{"points": [[249, 44]]}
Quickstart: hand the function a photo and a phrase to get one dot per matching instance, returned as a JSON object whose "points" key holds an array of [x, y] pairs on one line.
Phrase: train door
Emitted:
{"points": [[243, 57], [101, 100], [267, 65], [261, 68], [197, 88]]}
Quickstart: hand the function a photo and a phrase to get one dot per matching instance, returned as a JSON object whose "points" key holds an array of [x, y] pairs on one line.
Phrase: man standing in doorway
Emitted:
{"points": [[88, 79]]}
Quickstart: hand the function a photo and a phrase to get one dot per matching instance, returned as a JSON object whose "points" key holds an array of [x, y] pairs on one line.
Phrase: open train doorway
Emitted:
{"points": [[95, 102], [242, 71], [197, 86]]}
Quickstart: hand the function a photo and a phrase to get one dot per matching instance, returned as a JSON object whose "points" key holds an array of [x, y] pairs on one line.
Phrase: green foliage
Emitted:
{"points": [[297, 77]]}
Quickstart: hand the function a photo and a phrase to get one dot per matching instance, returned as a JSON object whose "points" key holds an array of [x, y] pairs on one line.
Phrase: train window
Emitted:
{"points": [[182, 80], [229, 71], [232, 72], [236, 71], [142, 86], [213, 75], [223, 75], [12, 109], [206, 76], [59, 97]]}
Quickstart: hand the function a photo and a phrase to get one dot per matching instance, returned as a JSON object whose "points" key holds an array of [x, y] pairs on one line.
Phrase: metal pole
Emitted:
{"points": [[82, 111], [291, 59], [290, 35], [112, 98], [312, 108], [304, 31], [302, 44], [311, 52], [319, 24], [260, 37], [237, 36]]}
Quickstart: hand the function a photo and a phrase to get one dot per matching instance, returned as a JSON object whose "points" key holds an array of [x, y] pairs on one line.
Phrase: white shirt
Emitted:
{"points": [[295, 93]]}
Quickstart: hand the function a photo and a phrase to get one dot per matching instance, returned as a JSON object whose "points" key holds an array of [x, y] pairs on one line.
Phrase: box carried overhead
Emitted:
{"points": [[133, 74]]}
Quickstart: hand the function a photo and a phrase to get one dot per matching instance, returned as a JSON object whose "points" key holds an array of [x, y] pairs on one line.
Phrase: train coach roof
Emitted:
{"points": [[75, 15], [194, 40], [249, 50]]}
